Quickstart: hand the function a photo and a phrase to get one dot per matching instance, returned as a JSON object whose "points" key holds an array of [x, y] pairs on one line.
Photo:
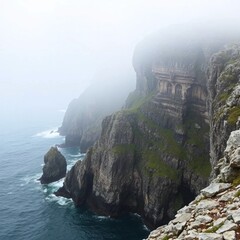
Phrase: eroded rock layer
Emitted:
{"points": [[214, 214], [153, 156]]}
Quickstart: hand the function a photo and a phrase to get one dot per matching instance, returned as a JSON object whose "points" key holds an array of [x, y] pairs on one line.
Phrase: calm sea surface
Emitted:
{"points": [[31, 211]]}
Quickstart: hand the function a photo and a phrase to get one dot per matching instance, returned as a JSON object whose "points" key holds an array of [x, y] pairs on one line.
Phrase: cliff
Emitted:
{"points": [[153, 156], [214, 214], [82, 121]]}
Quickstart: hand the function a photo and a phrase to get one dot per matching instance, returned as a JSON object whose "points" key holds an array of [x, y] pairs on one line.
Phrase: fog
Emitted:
{"points": [[51, 50]]}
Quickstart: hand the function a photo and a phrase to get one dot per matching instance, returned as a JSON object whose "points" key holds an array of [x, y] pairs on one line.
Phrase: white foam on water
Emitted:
{"points": [[56, 185], [30, 178], [70, 165], [80, 155], [101, 218], [59, 200], [146, 228], [50, 133]]}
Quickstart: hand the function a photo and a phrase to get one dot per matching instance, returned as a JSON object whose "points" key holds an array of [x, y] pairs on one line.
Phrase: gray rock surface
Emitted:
{"points": [[220, 201], [153, 156], [215, 188], [55, 166], [230, 235]]}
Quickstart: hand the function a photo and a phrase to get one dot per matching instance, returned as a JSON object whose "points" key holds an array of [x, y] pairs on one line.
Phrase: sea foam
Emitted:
{"points": [[51, 133]]}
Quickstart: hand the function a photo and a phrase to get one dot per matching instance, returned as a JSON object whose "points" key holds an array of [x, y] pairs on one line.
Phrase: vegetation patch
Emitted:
{"points": [[123, 149], [218, 114], [136, 101], [237, 194], [236, 181], [214, 228], [166, 238], [223, 97], [155, 164], [197, 131], [233, 115], [167, 142], [201, 166]]}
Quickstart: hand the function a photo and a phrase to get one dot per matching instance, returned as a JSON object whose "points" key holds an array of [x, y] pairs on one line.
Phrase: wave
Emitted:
{"points": [[51, 133], [102, 218], [30, 179], [80, 155], [51, 197], [59, 200]]}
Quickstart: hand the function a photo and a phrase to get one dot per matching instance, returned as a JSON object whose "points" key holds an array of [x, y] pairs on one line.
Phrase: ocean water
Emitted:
{"points": [[31, 211]]}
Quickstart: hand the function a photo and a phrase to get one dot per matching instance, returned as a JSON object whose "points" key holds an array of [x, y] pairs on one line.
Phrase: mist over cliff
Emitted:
{"points": [[83, 119], [153, 156]]}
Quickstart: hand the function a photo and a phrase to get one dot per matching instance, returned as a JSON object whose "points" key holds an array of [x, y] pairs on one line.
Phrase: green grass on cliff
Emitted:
{"points": [[123, 149], [233, 115], [158, 167], [236, 181], [135, 101], [197, 131], [201, 165], [167, 142], [161, 142]]}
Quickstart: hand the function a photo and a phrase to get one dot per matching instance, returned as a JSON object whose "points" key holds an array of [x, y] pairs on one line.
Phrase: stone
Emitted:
{"points": [[233, 141], [236, 216], [185, 209], [178, 228], [203, 219], [219, 221], [210, 236], [207, 204], [182, 218], [55, 166], [155, 234], [215, 188], [192, 234], [195, 224], [229, 235], [226, 197], [235, 159], [227, 226]]}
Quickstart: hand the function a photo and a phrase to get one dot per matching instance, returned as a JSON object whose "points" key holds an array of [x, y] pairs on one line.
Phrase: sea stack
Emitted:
{"points": [[55, 166]]}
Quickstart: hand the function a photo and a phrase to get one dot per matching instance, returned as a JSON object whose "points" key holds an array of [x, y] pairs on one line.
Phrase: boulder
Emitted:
{"points": [[215, 188], [55, 166]]}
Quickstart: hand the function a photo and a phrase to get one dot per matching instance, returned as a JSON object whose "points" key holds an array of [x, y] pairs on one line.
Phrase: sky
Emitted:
{"points": [[51, 50]]}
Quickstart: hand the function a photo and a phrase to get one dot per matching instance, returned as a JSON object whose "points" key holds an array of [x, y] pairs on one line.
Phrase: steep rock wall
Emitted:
{"points": [[214, 213], [153, 156]]}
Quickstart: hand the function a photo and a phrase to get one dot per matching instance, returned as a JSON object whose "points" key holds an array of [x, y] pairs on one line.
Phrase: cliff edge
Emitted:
{"points": [[153, 156], [214, 214]]}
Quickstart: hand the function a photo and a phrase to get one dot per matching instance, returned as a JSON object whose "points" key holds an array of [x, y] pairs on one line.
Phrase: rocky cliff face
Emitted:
{"points": [[224, 90], [55, 166], [153, 156], [82, 122], [214, 214]]}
